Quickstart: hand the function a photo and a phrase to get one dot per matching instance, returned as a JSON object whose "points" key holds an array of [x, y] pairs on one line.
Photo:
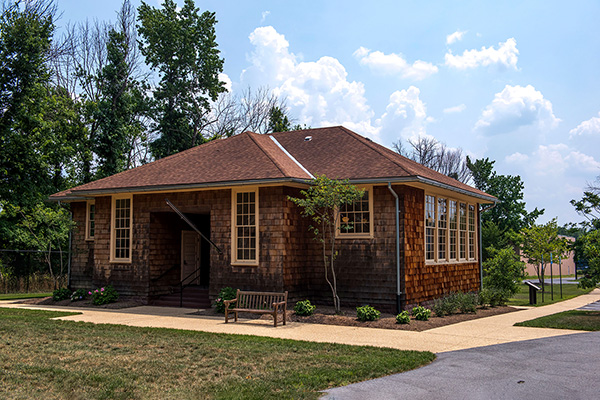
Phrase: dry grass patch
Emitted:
{"points": [[74, 360]]}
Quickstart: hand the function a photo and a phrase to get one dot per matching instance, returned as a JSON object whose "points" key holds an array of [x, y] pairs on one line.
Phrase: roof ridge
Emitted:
{"points": [[279, 167]]}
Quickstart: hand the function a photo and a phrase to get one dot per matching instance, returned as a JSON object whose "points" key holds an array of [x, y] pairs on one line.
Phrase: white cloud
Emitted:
{"points": [[405, 116], [455, 37], [318, 93], [223, 77], [517, 158], [589, 127], [505, 56], [394, 64], [559, 159], [264, 16], [456, 109], [516, 106]]}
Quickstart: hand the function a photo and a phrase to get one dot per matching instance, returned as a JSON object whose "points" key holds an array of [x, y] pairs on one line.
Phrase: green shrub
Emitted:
{"points": [[503, 271], [104, 295], [421, 313], [61, 294], [79, 294], [227, 293], [367, 313], [455, 302], [304, 308], [468, 302], [403, 318], [493, 297]]}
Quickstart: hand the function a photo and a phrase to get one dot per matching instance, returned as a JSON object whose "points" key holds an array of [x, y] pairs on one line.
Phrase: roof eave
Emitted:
{"points": [[427, 181], [88, 194]]}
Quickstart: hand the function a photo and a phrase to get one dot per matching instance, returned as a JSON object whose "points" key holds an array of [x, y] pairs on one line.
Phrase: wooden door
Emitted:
{"points": [[190, 256]]}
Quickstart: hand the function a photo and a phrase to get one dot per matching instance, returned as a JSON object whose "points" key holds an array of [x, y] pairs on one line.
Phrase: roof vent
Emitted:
{"points": [[308, 138]]}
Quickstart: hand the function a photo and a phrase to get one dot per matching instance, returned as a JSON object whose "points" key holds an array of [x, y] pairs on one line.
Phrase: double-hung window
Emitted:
{"points": [[90, 220], [121, 229], [356, 219], [244, 248]]}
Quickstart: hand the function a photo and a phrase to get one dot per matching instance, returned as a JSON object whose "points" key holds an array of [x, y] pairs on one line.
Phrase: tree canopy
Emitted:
{"points": [[180, 44]]}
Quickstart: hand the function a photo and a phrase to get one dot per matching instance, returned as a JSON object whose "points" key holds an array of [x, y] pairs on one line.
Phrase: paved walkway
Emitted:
{"points": [[469, 334], [561, 367]]}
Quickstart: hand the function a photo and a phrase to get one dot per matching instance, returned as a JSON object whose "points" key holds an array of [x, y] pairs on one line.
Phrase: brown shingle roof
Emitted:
{"points": [[336, 152]]}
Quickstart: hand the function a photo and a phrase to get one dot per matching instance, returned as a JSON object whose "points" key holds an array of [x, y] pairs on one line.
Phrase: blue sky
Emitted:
{"points": [[514, 81]]}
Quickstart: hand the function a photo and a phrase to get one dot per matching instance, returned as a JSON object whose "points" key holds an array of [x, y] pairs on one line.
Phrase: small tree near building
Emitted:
{"points": [[540, 244], [322, 203]]}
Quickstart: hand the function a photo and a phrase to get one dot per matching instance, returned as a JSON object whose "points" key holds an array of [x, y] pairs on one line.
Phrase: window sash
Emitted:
{"points": [[245, 227], [358, 216], [90, 219], [121, 229]]}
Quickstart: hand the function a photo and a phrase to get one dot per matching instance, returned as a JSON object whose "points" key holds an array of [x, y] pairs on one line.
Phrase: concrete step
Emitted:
{"points": [[193, 297]]}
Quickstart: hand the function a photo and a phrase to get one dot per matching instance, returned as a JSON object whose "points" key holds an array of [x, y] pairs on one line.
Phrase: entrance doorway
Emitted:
{"points": [[191, 257]]}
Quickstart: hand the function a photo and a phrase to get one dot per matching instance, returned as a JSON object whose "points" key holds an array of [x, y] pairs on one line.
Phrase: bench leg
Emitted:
{"points": [[284, 315], [235, 313], [275, 318], [226, 315]]}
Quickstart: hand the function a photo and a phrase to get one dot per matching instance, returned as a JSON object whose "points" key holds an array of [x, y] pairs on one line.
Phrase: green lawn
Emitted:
{"points": [[569, 291], [577, 319], [43, 358], [17, 296]]}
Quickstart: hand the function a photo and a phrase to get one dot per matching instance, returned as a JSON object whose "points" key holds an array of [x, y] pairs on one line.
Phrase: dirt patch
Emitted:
{"points": [[123, 302], [327, 316]]}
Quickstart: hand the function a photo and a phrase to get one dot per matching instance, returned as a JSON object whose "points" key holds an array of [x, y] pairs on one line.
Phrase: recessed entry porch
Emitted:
{"points": [[179, 259]]}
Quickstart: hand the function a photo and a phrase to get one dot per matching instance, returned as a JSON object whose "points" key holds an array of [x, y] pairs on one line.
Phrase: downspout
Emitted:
{"points": [[480, 244], [398, 285]]}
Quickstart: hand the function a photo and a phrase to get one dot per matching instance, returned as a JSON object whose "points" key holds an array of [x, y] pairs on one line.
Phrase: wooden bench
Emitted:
{"points": [[257, 303]]}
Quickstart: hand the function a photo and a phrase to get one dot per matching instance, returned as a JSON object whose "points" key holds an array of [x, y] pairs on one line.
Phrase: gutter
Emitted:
{"points": [[420, 179], [83, 194], [484, 209], [399, 305]]}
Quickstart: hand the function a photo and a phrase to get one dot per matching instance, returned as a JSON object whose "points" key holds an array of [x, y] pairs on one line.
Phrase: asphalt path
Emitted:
{"points": [[559, 367]]}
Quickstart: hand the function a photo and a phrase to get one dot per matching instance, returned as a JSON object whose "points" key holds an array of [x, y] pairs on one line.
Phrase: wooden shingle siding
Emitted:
{"points": [[289, 258], [425, 282]]}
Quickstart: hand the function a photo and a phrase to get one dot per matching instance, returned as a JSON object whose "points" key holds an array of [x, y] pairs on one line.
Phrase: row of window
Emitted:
{"points": [[449, 230], [449, 227]]}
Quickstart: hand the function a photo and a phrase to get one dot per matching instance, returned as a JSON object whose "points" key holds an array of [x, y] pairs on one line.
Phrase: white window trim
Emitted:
{"points": [[234, 259], [448, 260], [341, 235], [113, 236], [88, 204]]}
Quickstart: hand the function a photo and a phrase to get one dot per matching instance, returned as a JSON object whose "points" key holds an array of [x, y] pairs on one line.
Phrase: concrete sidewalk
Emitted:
{"points": [[469, 334]]}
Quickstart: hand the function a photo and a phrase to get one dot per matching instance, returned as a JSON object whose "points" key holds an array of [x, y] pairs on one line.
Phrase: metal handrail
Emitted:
{"points": [[165, 273]]}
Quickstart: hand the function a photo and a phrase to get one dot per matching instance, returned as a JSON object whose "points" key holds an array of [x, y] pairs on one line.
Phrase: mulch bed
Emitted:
{"points": [[323, 314], [326, 315]]}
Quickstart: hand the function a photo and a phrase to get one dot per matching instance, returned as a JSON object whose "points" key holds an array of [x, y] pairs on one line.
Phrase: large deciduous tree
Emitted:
{"points": [[39, 128], [509, 215], [322, 203], [181, 45]]}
